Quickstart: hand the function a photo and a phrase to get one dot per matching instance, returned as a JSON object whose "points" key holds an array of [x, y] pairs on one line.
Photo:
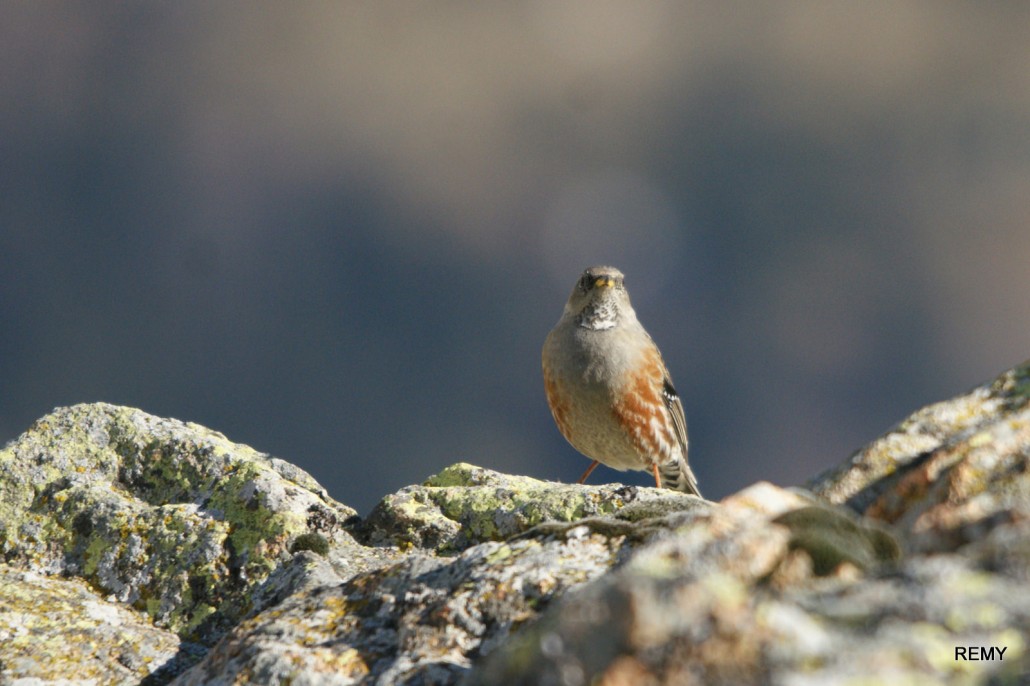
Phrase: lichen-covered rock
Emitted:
{"points": [[425, 619], [422, 620], [806, 593], [734, 599], [464, 505], [950, 474], [170, 518], [966, 420], [913, 554], [634, 627], [47, 625]]}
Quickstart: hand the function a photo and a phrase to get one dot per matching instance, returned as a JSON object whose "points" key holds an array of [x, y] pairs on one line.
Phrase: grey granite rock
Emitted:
{"points": [[733, 600], [464, 505], [168, 518], [424, 620], [920, 443], [803, 593], [135, 547], [54, 629]]}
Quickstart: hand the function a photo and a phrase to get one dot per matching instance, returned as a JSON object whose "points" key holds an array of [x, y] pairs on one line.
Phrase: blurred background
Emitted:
{"points": [[339, 232]]}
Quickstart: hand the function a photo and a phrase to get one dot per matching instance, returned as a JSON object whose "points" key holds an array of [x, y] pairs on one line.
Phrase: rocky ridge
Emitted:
{"points": [[138, 549]]}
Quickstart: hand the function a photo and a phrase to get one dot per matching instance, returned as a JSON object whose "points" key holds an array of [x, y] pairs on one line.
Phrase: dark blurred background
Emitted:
{"points": [[339, 232]]}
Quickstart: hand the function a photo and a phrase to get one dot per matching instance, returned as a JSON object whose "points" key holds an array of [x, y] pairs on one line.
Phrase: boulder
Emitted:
{"points": [[147, 550], [169, 520]]}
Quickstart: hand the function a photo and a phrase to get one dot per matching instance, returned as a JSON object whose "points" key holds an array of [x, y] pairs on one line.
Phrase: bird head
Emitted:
{"points": [[599, 298]]}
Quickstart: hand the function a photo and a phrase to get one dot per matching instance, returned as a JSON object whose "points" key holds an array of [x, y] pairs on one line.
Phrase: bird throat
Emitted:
{"points": [[598, 316]]}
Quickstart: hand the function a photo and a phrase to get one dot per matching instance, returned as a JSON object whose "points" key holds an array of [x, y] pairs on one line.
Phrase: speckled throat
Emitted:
{"points": [[598, 316]]}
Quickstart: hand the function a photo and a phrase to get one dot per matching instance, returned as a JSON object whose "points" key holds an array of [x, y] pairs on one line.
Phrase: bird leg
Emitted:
{"points": [[657, 478], [587, 472]]}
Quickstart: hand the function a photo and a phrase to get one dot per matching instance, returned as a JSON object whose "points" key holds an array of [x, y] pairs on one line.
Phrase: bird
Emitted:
{"points": [[608, 388]]}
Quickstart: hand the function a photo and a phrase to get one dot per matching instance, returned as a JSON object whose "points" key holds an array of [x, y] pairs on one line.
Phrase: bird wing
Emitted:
{"points": [[675, 405], [684, 479]]}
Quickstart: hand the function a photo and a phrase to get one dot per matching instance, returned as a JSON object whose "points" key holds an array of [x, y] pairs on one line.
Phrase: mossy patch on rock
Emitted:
{"points": [[467, 577], [464, 505], [169, 517]]}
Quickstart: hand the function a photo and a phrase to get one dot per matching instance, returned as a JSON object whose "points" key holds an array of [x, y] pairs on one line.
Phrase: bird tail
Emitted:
{"points": [[676, 475]]}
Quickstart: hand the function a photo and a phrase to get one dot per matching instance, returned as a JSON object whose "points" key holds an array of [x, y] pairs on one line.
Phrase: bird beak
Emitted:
{"points": [[604, 281]]}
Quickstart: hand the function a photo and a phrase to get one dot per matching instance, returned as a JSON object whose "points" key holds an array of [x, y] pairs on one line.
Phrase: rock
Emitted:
{"points": [[831, 538], [464, 505], [954, 473], [780, 588], [425, 619], [907, 564], [689, 625], [967, 420], [48, 625], [170, 518]]}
